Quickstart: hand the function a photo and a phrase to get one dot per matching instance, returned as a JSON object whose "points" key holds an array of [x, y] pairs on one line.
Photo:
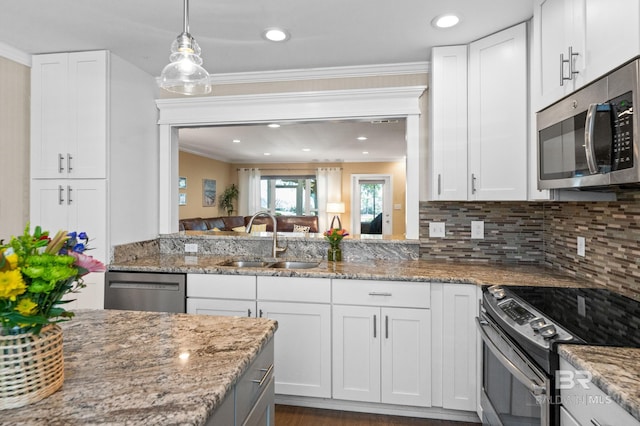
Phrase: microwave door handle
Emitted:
{"points": [[533, 387], [589, 147]]}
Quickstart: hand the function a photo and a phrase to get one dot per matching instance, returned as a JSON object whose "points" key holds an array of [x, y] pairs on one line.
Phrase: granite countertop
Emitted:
{"points": [[123, 367], [616, 371], [393, 270]]}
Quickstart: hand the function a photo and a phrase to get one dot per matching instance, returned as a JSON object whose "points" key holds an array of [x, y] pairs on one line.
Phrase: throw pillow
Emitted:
{"points": [[239, 229], [259, 228], [301, 228]]}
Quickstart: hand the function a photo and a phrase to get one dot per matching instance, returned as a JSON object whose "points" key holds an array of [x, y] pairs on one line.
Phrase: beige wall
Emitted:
{"points": [[196, 168], [15, 90], [396, 169]]}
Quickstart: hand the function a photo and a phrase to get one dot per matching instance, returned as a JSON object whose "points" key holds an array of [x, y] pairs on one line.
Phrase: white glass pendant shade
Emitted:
{"points": [[185, 74]]}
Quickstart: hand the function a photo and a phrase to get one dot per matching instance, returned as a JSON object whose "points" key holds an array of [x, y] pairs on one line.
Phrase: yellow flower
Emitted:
{"points": [[11, 284], [11, 261], [26, 307]]}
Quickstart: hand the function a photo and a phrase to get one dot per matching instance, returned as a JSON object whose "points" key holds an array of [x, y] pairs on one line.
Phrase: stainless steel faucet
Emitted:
{"points": [[276, 249]]}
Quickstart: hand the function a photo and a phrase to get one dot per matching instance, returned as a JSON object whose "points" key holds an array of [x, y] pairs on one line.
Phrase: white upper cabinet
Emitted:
{"points": [[449, 122], [577, 41], [69, 115], [498, 135]]}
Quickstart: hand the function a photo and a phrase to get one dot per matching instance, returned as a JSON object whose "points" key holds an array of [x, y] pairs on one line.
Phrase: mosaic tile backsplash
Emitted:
{"points": [[544, 232]]}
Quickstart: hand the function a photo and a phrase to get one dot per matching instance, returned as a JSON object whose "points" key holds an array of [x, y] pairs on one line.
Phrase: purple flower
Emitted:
{"points": [[83, 236]]}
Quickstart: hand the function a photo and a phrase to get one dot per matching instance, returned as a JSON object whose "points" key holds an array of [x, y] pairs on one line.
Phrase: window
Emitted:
{"points": [[289, 195]]}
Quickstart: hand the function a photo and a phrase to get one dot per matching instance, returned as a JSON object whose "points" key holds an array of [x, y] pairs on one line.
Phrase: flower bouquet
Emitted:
{"points": [[335, 236], [36, 271]]}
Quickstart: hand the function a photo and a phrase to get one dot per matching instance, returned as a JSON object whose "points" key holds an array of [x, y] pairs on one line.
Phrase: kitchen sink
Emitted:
{"points": [[294, 265], [246, 263]]}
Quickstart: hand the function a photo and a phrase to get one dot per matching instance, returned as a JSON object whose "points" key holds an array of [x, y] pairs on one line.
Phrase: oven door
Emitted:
{"points": [[514, 390]]}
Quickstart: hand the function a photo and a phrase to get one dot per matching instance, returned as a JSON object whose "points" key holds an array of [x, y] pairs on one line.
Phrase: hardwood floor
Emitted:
{"points": [[299, 416]]}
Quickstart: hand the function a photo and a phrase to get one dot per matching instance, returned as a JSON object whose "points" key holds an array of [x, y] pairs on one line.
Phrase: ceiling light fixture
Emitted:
{"points": [[236, 141], [306, 149], [447, 20], [273, 125], [362, 138], [267, 153], [276, 34], [185, 74]]}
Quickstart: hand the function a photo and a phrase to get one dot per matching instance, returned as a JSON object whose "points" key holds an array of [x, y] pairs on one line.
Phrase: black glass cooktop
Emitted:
{"points": [[596, 316]]}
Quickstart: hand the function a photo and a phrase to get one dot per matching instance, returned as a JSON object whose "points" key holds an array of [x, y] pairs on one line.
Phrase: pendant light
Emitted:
{"points": [[185, 74]]}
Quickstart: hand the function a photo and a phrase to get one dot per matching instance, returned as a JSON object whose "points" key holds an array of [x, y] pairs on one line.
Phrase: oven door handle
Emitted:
{"points": [[532, 386]]}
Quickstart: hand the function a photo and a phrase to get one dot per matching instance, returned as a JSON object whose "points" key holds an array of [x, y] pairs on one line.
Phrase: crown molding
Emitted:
{"points": [[321, 73], [15, 55]]}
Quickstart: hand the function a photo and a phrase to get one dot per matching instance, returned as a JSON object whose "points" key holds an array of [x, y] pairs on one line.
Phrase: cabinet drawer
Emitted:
{"points": [[292, 289], [221, 286], [254, 381], [381, 293]]}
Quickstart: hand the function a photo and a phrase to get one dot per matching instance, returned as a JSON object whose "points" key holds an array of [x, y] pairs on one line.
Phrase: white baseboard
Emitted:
{"points": [[387, 409]]}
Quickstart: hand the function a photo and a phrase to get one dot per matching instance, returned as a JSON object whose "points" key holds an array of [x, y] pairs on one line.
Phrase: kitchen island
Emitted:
{"points": [[143, 368]]}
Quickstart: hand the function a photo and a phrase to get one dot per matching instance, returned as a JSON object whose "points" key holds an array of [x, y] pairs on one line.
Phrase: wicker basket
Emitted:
{"points": [[31, 367]]}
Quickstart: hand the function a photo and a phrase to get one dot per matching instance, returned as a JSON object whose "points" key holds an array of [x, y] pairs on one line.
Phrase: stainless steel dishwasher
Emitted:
{"points": [[144, 291]]}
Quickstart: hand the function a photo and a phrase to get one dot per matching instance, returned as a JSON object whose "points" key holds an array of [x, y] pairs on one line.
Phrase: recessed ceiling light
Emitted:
{"points": [[276, 34], [365, 152], [267, 153], [447, 20], [236, 141], [306, 149], [362, 138], [273, 125]]}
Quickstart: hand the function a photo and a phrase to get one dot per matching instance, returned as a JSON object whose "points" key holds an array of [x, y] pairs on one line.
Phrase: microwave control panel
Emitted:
{"points": [[622, 146]]}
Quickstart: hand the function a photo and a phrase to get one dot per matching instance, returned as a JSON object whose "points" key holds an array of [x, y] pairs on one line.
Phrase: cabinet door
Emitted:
{"points": [[87, 149], [498, 116], [406, 356], [459, 346], [69, 115], [356, 353], [302, 347], [49, 115], [238, 308], [263, 412], [75, 205], [449, 123], [612, 35]]}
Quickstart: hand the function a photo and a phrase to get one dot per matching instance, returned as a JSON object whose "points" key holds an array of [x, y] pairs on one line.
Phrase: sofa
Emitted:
{"points": [[227, 223]]}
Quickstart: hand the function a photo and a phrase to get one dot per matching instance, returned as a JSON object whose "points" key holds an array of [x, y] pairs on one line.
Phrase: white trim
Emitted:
{"points": [[15, 55], [380, 102], [321, 73]]}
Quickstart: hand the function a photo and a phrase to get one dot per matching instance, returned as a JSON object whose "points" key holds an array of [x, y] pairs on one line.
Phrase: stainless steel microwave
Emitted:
{"points": [[590, 138]]}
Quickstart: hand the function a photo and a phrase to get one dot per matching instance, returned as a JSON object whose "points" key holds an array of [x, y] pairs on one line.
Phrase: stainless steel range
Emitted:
{"points": [[521, 328]]}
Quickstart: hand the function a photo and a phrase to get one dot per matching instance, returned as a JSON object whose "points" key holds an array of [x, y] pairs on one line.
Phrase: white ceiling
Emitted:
{"points": [[327, 33]]}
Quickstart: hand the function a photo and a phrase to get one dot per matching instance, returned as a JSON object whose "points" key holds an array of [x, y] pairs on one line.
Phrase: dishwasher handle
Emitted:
{"points": [[145, 286]]}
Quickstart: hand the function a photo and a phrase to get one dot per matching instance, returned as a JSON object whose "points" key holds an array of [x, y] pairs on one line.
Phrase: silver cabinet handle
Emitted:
{"points": [[60, 163], [473, 183], [379, 293], [386, 326], [260, 312], [569, 61], [594, 422], [439, 183], [60, 195], [69, 200], [69, 158], [375, 321], [267, 372], [249, 313], [572, 72]]}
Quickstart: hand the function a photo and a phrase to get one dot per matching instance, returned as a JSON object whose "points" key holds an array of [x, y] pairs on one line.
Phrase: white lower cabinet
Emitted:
{"points": [[583, 403], [381, 350], [455, 346], [227, 295], [303, 340]]}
